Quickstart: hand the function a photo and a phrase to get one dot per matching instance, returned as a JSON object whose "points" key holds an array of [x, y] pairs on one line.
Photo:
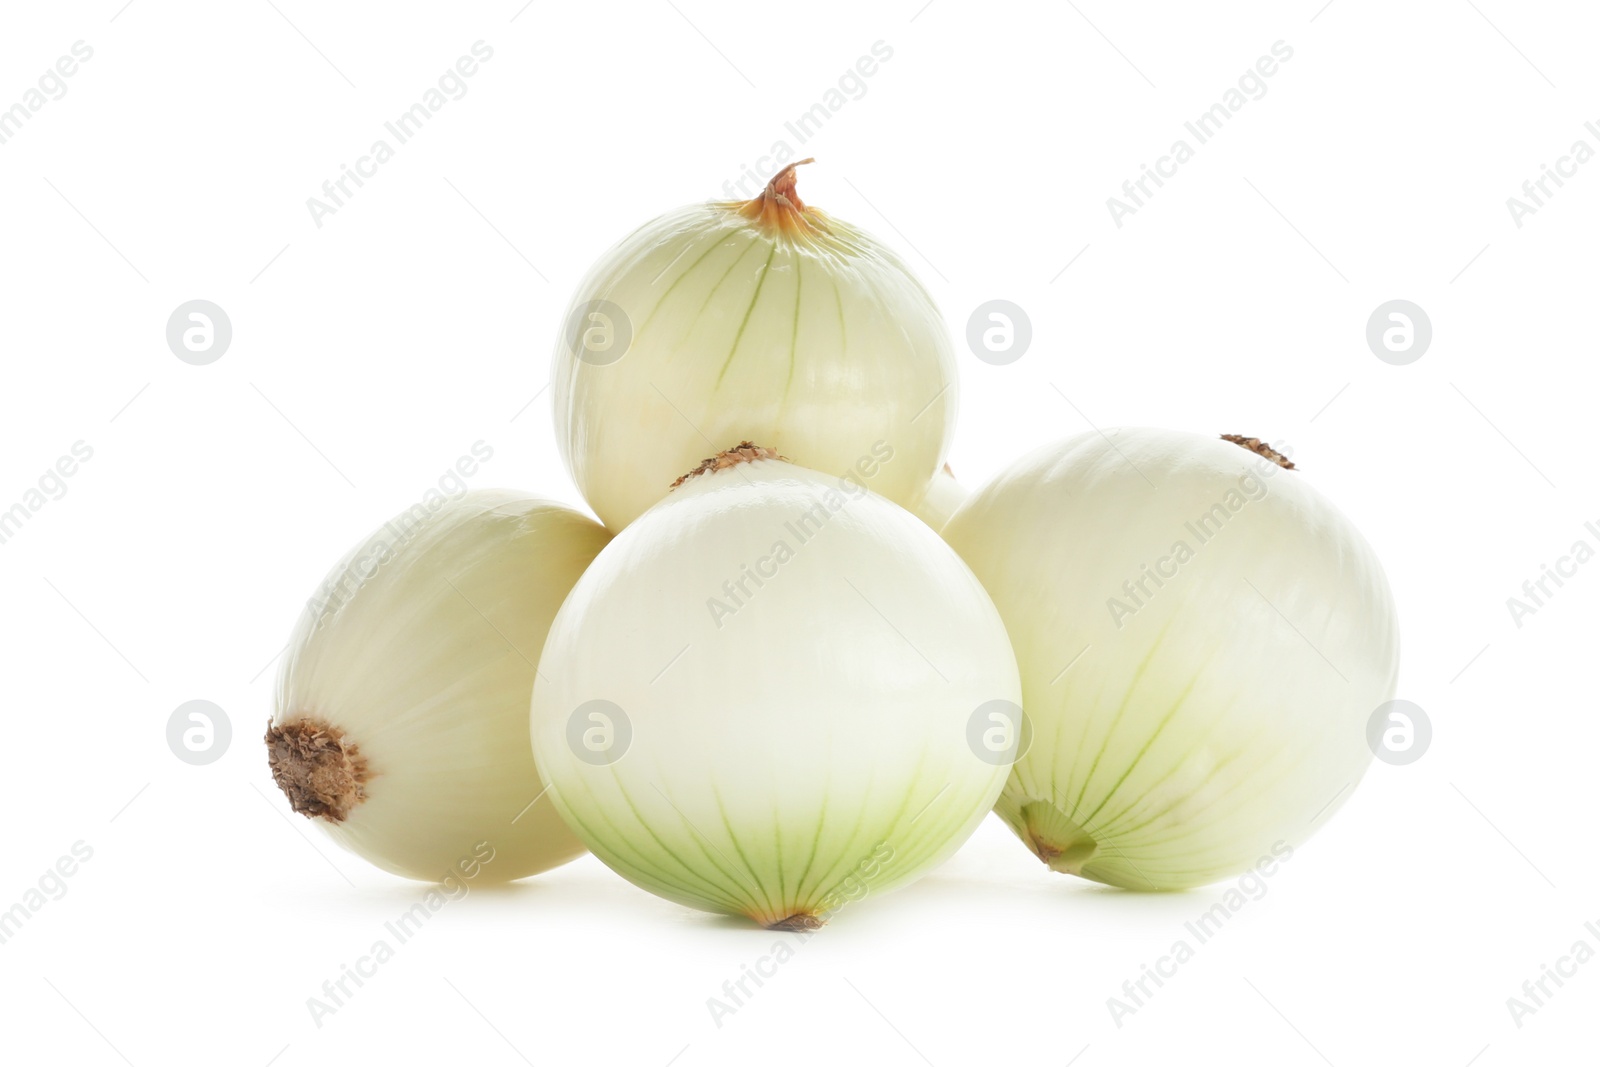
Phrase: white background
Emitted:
{"points": [[368, 354]]}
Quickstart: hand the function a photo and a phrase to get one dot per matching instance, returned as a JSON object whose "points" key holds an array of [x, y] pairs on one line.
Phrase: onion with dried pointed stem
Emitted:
{"points": [[765, 319]]}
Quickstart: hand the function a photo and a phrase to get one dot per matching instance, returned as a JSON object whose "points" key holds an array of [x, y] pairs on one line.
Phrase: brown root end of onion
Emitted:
{"points": [[1260, 448], [800, 920], [743, 452], [319, 769]]}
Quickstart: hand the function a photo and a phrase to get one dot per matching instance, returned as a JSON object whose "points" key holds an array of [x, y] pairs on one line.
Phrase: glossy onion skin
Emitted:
{"points": [[1227, 713], [820, 347], [427, 665], [944, 496], [807, 751]]}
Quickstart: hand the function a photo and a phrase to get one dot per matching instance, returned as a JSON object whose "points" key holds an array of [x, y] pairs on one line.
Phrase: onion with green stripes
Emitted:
{"points": [[764, 320], [774, 694], [1203, 639]]}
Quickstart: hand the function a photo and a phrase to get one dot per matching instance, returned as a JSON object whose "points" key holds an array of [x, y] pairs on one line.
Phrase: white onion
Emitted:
{"points": [[758, 699], [765, 320], [1181, 729], [401, 717]]}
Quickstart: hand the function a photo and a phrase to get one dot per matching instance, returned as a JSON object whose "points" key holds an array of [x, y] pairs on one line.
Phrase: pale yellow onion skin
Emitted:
{"points": [[944, 496], [805, 751], [820, 347], [428, 667], [1214, 724]]}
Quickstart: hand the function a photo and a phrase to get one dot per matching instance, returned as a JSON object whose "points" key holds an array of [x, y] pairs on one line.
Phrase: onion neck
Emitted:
{"points": [[779, 208], [319, 769]]}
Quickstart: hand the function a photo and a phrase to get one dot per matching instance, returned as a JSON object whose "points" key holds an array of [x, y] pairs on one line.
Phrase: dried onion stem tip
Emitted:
{"points": [[779, 206], [1260, 448], [319, 770], [800, 920], [743, 452]]}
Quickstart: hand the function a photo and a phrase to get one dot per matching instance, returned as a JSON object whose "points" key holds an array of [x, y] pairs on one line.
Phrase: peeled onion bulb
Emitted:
{"points": [[766, 320], [764, 698], [401, 717], [1202, 638]]}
